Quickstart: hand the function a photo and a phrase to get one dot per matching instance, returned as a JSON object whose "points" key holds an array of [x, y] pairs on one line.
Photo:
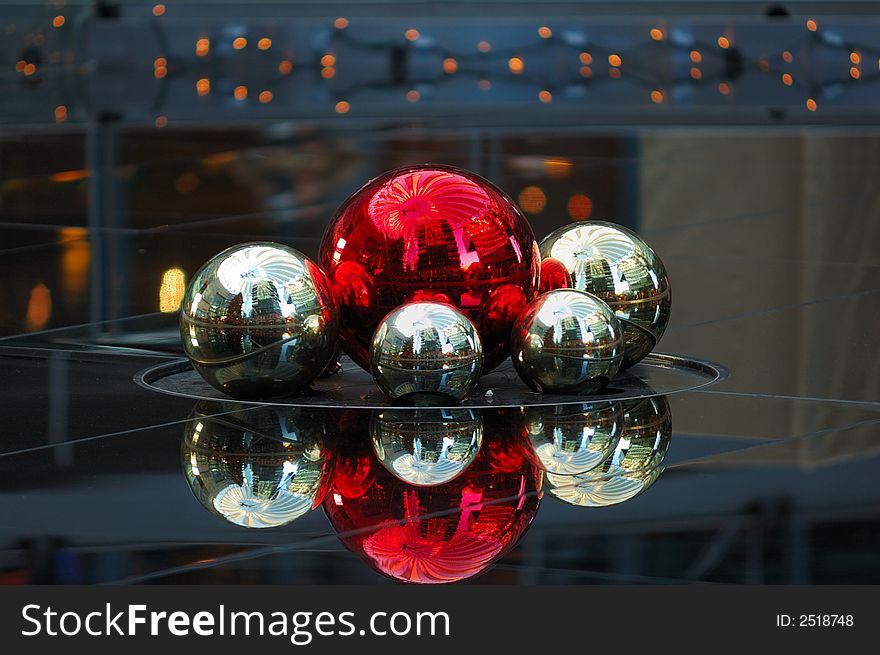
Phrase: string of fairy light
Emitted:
{"points": [[592, 64]]}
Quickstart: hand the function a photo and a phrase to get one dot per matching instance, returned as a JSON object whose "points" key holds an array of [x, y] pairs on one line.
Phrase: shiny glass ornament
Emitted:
{"points": [[438, 534], [635, 464], [571, 439], [430, 233], [616, 265], [554, 275], [426, 353], [567, 341], [259, 321], [256, 468], [426, 447]]}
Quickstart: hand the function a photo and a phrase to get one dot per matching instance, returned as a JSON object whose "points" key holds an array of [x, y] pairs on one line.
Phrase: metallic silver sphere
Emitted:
{"points": [[260, 468], [616, 265], [635, 464], [259, 321], [426, 353], [567, 341], [426, 447], [572, 439]]}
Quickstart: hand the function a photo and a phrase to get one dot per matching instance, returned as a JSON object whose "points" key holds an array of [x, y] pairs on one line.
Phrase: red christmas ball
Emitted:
{"points": [[430, 233], [554, 275], [439, 534]]}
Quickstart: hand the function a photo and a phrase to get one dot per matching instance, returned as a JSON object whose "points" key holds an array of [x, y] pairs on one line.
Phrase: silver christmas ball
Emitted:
{"points": [[260, 468], [426, 353], [426, 446], [635, 464], [567, 341], [259, 321], [572, 439], [616, 265]]}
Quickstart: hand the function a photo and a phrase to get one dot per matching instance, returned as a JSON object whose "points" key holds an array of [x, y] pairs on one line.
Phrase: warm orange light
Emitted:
{"points": [[60, 114], [532, 199], [160, 61], [19, 65], [171, 290], [485, 85], [484, 46], [580, 207], [58, 21], [161, 121], [328, 60], [812, 25], [545, 32], [545, 96], [340, 23], [855, 58], [265, 97], [203, 86], [159, 72], [696, 73], [39, 308], [515, 64], [787, 56], [239, 42], [724, 88], [614, 60], [328, 72], [656, 34], [696, 57], [69, 176], [29, 69], [586, 58], [811, 104], [240, 92], [76, 256], [764, 65], [586, 71], [855, 73], [158, 10], [723, 42], [203, 46], [656, 96], [787, 79], [411, 34], [614, 72], [285, 67], [558, 167], [265, 43], [413, 96], [342, 107], [450, 65]]}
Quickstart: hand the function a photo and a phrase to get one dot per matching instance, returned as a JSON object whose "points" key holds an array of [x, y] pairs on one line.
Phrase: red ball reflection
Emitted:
{"points": [[440, 534], [425, 232], [554, 275]]}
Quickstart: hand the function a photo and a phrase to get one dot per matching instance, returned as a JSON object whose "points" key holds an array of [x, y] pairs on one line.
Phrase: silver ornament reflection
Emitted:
{"points": [[426, 353], [259, 321], [572, 439], [616, 265], [567, 341], [256, 468], [635, 464], [426, 447]]}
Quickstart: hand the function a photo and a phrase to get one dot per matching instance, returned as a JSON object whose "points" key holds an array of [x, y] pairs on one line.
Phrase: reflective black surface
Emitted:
{"points": [[769, 232]]}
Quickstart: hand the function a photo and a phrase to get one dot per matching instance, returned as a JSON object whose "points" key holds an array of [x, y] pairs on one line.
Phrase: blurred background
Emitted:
{"points": [[739, 138]]}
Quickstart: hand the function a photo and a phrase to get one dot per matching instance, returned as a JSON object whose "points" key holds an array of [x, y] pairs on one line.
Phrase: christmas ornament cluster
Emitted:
{"points": [[428, 277]]}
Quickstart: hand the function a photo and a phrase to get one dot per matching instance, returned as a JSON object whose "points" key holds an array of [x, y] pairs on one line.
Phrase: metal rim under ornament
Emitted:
{"points": [[659, 374]]}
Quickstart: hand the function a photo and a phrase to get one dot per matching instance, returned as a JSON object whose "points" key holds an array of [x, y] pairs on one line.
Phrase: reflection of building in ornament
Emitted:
{"points": [[261, 468], [433, 534]]}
